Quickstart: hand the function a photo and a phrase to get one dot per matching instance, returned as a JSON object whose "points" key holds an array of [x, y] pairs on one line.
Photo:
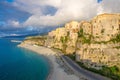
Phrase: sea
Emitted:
{"points": [[21, 64]]}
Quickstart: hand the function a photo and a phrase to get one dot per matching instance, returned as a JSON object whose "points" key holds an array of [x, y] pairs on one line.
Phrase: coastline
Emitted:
{"points": [[56, 71], [30, 47]]}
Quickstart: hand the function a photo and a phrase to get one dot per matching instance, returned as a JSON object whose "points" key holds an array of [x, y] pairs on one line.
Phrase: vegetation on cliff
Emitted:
{"points": [[94, 44], [37, 40], [112, 72]]}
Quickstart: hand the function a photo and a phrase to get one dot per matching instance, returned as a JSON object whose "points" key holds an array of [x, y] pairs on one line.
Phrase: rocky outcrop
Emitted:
{"points": [[64, 38], [95, 42], [37, 40], [99, 43], [56, 38], [105, 26], [97, 55]]}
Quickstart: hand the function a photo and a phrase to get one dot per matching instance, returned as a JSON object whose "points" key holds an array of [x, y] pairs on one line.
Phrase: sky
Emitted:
{"points": [[29, 16]]}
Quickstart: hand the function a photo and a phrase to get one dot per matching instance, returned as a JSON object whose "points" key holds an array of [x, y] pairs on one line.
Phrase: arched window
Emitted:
{"points": [[112, 27]]}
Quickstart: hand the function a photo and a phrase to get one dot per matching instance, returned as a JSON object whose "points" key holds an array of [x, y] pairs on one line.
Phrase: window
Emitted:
{"points": [[112, 35], [102, 31], [112, 27]]}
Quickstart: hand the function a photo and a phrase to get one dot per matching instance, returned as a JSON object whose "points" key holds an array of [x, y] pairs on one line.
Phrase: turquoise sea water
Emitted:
{"points": [[21, 64]]}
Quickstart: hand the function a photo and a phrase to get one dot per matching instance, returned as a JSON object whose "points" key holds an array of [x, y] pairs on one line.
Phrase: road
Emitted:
{"points": [[86, 73]]}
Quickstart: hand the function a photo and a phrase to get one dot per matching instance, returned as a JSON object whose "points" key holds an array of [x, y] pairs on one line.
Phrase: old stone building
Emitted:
{"points": [[60, 32], [72, 26], [105, 26], [86, 27], [91, 50]]}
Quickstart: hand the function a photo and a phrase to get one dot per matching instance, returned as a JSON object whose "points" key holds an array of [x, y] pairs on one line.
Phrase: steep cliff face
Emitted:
{"points": [[98, 43], [72, 29], [105, 26], [64, 38], [56, 38], [97, 55], [95, 42]]}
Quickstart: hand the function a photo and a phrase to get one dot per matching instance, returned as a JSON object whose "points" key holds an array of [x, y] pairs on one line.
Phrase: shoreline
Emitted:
{"points": [[25, 46], [56, 71]]}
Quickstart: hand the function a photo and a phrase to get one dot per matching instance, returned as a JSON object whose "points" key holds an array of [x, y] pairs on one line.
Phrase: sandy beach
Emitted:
{"points": [[59, 71]]}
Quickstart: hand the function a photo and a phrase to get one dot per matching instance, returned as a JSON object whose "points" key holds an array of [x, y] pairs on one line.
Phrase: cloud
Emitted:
{"points": [[63, 11], [11, 17], [13, 23], [10, 25], [66, 10], [109, 6], [8, 11], [45, 13]]}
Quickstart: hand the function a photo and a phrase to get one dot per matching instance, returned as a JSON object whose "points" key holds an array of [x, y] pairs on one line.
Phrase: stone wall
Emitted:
{"points": [[98, 54], [105, 26], [87, 28]]}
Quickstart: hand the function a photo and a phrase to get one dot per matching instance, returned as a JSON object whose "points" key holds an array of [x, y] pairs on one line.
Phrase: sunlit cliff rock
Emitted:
{"points": [[95, 42]]}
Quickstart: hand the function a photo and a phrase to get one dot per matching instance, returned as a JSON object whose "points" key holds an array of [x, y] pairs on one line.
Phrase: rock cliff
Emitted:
{"points": [[64, 38], [95, 42]]}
